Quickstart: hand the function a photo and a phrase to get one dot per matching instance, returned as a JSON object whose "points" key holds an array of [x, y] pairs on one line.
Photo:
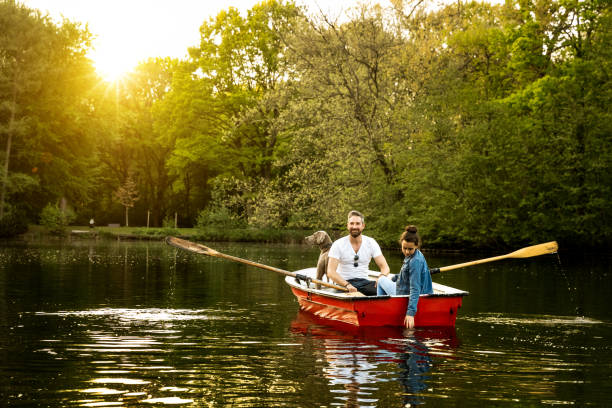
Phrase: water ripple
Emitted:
{"points": [[151, 315], [545, 320]]}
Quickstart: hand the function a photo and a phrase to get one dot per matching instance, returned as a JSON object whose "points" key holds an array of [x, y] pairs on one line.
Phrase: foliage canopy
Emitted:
{"points": [[485, 125]]}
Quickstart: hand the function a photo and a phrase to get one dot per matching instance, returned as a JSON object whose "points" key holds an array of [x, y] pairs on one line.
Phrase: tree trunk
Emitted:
{"points": [[127, 223], [9, 141]]}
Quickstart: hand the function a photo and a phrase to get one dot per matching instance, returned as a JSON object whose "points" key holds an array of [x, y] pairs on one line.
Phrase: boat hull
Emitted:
{"points": [[437, 310]]}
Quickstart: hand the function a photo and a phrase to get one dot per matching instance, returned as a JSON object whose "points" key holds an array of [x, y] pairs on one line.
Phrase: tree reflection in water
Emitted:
{"points": [[357, 358]]}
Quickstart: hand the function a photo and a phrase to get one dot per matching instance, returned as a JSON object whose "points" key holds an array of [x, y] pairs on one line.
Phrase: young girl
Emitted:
{"points": [[413, 279]]}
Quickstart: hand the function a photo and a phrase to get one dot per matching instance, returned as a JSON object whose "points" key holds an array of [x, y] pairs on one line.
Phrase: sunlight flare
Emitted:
{"points": [[112, 65]]}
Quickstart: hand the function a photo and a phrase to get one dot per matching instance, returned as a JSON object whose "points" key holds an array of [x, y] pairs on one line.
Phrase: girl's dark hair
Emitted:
{"points": [[410, 234]]}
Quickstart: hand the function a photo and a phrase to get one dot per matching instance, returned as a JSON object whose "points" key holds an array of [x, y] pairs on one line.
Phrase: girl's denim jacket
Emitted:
{"points": [[413, 279]]}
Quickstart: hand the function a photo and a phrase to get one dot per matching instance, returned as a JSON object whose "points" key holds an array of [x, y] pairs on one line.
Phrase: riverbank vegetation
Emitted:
{"points": [[208, 234], [487, 126]]}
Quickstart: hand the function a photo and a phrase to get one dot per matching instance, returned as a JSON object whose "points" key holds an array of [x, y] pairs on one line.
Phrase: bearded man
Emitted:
{"points": [[350, 256]]}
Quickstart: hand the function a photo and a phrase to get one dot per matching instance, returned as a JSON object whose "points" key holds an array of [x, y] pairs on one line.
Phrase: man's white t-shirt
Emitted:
{"points": [[342, 250]]}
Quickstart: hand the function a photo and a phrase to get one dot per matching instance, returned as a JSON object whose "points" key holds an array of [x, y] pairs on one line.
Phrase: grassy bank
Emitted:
{"points": [[218, 234], [211, 234], [206, 234]]}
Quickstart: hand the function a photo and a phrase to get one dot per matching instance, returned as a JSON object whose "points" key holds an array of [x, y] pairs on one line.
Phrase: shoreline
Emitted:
{"points": [[219, 234]]}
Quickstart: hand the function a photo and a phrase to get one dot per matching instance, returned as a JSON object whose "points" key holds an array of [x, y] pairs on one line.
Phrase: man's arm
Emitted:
{"points": [[332, 273], [382, 264]]}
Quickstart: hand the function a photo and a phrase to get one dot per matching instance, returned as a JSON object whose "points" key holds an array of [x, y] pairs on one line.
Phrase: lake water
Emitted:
{"points": [[104, 323]]}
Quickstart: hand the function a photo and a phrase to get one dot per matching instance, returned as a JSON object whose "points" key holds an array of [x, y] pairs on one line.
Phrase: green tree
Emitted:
{"points": [[44, 83], [344, 117], [223, 111], [516, 126]]}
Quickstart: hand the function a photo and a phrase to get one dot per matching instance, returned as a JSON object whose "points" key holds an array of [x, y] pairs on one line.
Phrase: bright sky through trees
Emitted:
{"points": [[127, 32]]}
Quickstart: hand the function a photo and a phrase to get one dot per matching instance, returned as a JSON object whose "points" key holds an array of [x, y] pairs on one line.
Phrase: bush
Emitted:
{"points": [[56, 220], [13, 224], [220, 217]]}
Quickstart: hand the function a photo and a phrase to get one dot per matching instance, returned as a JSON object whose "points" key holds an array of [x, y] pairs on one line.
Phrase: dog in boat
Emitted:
{"points": [[324, 242]]}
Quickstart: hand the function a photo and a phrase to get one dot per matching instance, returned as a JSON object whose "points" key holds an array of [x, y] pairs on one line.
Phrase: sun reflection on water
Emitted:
{"points": [[145, 315], [134, 361]]}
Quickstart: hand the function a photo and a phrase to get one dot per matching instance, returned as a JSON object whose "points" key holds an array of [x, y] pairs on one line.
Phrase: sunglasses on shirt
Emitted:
{"points": [[356, 259]]}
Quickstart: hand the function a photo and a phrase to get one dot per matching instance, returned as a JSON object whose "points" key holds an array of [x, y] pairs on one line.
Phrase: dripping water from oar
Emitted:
{"points": [[571, 287]]}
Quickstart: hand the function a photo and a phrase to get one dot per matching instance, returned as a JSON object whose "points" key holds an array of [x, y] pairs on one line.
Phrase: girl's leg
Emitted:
{"points": [[385, 286]]}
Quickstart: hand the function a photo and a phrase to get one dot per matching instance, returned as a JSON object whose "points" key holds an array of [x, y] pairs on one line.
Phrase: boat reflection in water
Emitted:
{"points": [[365, 365]]}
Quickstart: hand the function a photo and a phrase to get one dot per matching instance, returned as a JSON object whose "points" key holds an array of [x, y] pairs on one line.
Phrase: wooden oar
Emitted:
{"points": [[202, 249], [528, 252]]}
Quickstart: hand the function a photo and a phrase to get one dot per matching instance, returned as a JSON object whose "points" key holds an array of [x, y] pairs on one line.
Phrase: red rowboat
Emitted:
{"points": [[438, 309]]}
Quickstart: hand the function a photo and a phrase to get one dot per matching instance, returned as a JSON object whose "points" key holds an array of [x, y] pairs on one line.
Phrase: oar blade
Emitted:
{"points": [[190, 246], [536, 250]]}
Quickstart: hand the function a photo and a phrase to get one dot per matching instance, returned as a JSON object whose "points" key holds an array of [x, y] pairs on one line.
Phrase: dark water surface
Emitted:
{"points": [[143, 324]]}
